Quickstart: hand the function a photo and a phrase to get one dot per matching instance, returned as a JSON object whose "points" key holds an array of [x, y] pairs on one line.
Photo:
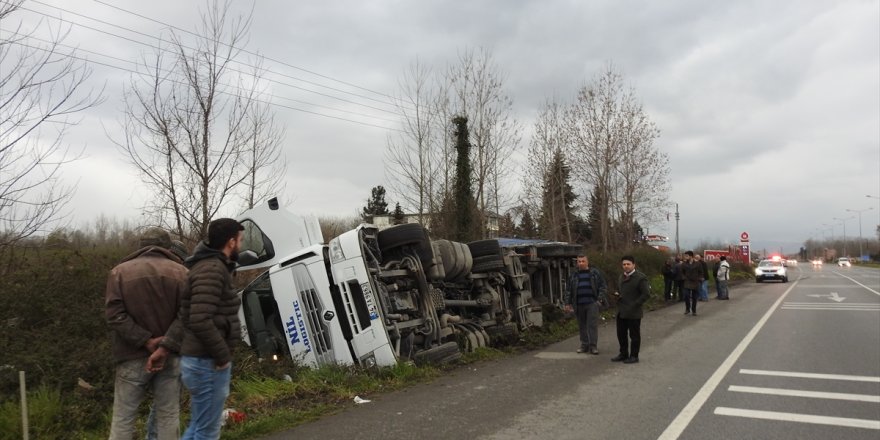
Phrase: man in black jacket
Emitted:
{"points": [[209, 314], [586, 289], [634, 292]]}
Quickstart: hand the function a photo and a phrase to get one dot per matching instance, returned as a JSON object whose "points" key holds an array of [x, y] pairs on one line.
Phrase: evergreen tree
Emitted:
{"points": [[463, 198], [593, 218], [376, 204], [557, 202], [506, 226], [527, 226], [397, 217]]}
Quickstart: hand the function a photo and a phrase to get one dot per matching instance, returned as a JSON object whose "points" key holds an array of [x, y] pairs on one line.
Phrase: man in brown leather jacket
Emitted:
{"points": [[141, 301]]}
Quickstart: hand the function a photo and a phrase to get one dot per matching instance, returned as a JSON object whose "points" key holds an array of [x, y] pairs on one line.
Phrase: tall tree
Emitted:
{"points": [[464, 204], [41, 88], [527, 226], [376, 204], [193, 127], [398, 217], [476, 86], [557, 207]]}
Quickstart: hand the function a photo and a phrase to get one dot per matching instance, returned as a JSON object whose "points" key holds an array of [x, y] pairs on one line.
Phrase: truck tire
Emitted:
{"points": [[504, 334], [412, 234], [484, 247], [440, 354], [437, 271], [487, 263]]}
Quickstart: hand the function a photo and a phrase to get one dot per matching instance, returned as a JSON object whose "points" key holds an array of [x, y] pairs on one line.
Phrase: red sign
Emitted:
{"points": [[712, 255], [744, 236]]}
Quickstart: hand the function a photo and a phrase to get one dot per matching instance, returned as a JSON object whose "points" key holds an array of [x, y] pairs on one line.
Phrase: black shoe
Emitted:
{"points": [[694, 314], [620, 358], [687, 312], [631, 360]]}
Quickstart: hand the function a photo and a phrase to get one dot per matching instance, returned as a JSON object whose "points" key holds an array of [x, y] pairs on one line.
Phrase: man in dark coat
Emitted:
{"points": [[693, 278], [634, 291], [209, 314], [142, 297]]}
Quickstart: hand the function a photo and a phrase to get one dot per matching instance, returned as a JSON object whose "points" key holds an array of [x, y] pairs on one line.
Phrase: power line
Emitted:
{"points": [[244, 50], [79, 49], [235, 61], [86, 60]]}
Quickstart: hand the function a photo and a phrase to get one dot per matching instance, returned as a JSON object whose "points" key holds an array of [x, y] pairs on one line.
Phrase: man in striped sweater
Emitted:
{"points": [[586, 289]]}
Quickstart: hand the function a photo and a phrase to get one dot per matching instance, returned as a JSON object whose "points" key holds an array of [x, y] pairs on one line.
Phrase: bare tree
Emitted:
{"points": [[613, 146], [263, 160], [194, 128], [545, 174], [411, 153], [41, 88], [477, 90]]}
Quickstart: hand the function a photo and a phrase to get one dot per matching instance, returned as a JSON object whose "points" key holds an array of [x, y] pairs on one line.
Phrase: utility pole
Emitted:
{"points": [[677, 248], [860, 211], [843, 220]]}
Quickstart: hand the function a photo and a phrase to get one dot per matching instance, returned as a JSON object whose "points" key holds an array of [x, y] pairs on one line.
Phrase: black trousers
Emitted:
{"points": [[667, 288], [690, 299], [629, 336]]}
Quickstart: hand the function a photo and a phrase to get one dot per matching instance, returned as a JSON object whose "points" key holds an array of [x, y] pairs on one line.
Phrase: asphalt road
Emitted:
{"points": [[797, 360]]}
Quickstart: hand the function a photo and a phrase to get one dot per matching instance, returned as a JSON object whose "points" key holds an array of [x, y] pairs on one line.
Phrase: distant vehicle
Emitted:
{"points": [[791, 263], [771, 270], [844, 262], [817, 262]]}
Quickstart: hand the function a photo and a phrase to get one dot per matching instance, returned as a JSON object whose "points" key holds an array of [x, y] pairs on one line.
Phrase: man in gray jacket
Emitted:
{"points": [[141, 301], [586, 289], [634, 292]]}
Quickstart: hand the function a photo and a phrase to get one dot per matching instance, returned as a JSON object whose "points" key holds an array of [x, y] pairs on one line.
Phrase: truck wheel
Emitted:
{"points": [[440, 354], [484, 247], [487, 263], [408, 234], [501, 335]]}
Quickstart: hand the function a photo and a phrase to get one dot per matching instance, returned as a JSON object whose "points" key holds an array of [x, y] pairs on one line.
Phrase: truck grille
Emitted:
{"points": [[312, 309]]}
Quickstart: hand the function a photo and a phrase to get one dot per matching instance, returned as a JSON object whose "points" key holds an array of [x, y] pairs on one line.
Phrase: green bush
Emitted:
{"points": [[46, 414]]}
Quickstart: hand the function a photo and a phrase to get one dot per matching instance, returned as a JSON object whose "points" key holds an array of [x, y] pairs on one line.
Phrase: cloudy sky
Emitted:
{"points": [[769, 111]]}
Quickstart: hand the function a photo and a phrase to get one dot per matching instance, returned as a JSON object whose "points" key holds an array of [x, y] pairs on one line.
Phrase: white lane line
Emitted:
{"points": [[791, 303], [678, 425], [804, 393], [845, 309], [560, 355], [866, 287], [812, 375], [801, 418]]}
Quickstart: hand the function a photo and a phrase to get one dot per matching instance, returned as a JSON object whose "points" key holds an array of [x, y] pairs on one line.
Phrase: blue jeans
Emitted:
{"points": [[208, 388], [704, 290]]}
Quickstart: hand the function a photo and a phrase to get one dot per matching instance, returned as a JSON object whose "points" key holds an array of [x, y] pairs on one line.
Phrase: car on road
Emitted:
{"points": [[771, 270], [844, 262], [791, 262], [817, 262]]}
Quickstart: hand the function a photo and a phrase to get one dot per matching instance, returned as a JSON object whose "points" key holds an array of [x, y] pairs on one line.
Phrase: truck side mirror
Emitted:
{"points": [[247, 258]]}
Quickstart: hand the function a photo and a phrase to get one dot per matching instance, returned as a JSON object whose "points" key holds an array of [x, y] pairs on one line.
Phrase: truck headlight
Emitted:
{"points": [[368, 361], [758, 272], [336, 254]]}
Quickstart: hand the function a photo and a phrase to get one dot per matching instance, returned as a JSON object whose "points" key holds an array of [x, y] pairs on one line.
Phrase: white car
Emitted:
{"points": [[844, 262], [771, 270], [791, 263], [817, 262]]}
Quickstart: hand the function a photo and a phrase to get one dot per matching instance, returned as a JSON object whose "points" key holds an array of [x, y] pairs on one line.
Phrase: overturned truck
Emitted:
{"points": [[377, 297]]}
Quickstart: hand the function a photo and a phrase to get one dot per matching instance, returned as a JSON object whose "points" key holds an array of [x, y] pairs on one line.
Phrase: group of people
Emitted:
{"points": [[688, 278], [174, 318]]}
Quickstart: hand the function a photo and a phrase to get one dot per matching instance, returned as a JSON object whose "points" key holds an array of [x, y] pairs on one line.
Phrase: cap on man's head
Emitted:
{"points": [[179, 249], [155, 237]]}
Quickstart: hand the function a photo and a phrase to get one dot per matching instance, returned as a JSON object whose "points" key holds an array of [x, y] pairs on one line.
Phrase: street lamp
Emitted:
{"points": [[860, 211], [843, 220]]}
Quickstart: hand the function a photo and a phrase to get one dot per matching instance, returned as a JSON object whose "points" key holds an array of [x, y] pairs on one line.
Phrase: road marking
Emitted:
{"points": [[801, 418], [833, 296], [561, 355], [823, 304], [674, 430], [866, 287], [803, 393], [811, 375], [845, 307]]}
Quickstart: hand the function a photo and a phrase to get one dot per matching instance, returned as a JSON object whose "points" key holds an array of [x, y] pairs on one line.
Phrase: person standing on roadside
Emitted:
{"points": [[634, 291], [679, 279], [142, 297], [692, 272], [704, 285], [586, 289], [721, 279], [209, 314], [668, 278]]}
